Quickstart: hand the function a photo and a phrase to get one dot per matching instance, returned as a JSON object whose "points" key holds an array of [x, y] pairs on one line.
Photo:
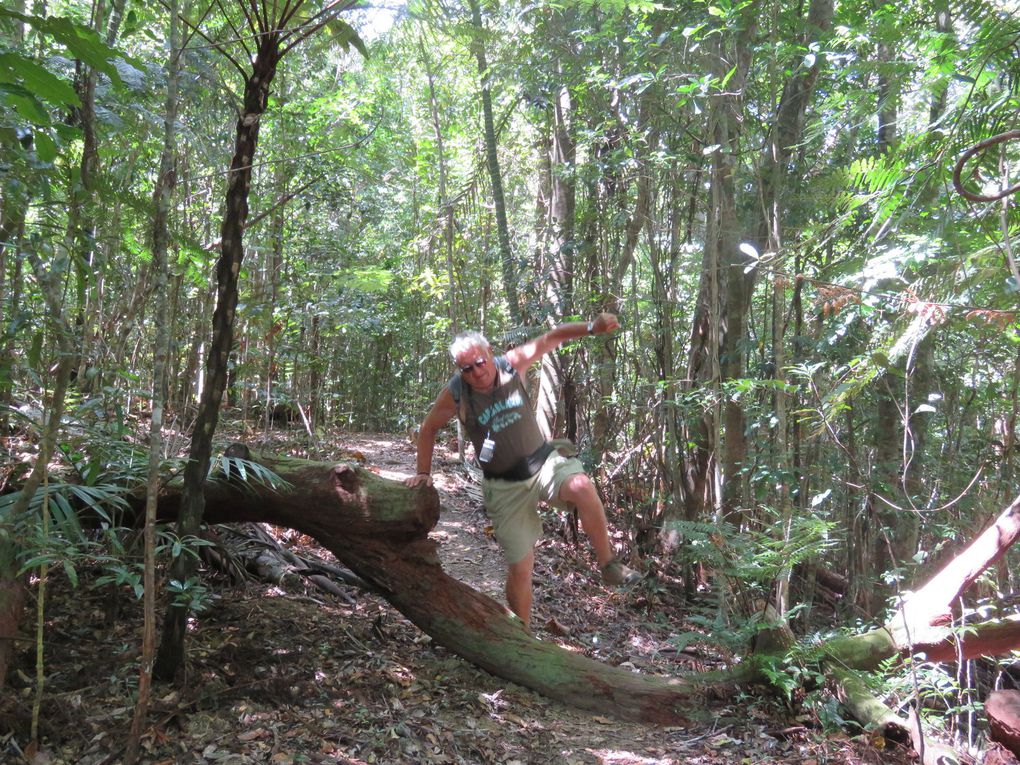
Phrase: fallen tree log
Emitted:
{"points": [[873, 715], [379, 529], [922, 626]]}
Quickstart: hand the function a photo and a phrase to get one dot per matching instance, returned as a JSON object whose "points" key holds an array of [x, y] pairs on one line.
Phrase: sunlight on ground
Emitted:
{"points": [[616, 757], [642, 644]]}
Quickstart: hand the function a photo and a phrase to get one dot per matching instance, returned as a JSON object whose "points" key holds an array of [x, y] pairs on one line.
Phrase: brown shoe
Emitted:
{"points": [[616, 574]]}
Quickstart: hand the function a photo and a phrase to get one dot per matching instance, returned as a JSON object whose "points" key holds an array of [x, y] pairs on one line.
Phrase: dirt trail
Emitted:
{"points": [[465, 550]]}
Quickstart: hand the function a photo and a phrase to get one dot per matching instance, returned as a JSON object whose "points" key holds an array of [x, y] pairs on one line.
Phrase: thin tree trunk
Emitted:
{"points": [[881, 547], [446, 204], [12, 586], [170, 657], [13, 208], [732, 277], [161, 198], [12, 229], [81, 227], [556, 274], [783, 140], [506, 257]]}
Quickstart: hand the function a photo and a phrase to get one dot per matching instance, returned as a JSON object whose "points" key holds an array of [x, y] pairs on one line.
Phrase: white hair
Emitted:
{"points": [[465, 341]]}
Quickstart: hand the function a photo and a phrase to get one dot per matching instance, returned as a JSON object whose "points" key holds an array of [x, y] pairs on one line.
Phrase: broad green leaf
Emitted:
{"points": [[37, 79], [45, 147], [81, 42], [69, 570], [25, 104]]}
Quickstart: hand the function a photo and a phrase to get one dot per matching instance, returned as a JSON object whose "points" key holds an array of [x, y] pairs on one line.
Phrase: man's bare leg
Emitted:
{"points": [[518, 587], [579, 491]]}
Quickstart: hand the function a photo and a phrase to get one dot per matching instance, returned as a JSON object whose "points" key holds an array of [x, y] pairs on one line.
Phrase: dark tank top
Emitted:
{"points": [[502, 413]]}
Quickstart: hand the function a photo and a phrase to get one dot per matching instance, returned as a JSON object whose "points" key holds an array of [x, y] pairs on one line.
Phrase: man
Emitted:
{"points": [[519, 466]]}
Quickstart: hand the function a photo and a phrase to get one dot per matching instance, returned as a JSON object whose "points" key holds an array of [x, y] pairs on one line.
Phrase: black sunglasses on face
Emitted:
{"points": [[477, 363]]}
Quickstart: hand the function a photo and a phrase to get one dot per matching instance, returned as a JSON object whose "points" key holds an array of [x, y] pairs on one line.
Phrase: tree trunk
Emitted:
{"points": [[12, 586], [81, 218], [717, 345], [12, 229], [256, 95], [506, 258], [161, 198], [13, 207], [445, 203], [555, 271]]}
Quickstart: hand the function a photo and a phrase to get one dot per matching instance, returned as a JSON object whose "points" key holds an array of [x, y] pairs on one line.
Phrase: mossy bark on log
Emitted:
{"points": [[873, 715]]}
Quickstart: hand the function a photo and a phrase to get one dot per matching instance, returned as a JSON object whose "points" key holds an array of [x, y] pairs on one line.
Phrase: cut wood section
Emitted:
{"points": [[1003, 711]]}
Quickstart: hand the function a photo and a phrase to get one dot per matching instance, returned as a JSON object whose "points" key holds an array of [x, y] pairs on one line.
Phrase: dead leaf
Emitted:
{"points": [[253, 734], [555, 628]]}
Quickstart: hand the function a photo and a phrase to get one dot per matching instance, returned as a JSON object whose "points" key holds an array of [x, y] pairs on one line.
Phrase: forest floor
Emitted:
{"points": [[287, 675]]}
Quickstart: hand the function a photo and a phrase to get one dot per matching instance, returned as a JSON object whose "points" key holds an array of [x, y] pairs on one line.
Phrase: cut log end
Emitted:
{"points": [[346, 483], [1003, 711], [238, 450]]}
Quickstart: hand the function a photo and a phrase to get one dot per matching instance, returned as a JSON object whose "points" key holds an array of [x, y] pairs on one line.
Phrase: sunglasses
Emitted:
{"points": [[476, 364]]}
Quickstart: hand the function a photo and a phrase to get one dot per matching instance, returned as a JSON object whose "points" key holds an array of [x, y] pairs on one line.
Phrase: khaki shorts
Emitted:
{"points": [[512, 506]]}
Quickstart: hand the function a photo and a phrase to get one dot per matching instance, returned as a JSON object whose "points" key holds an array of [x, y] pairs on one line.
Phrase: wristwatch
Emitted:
{"points": [[591, 327]]}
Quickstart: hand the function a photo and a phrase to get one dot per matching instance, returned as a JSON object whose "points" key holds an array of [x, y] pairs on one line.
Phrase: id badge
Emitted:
{"points": [[485, 455]]}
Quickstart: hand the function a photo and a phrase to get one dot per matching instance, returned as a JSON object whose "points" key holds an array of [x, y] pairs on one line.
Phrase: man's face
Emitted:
{"points": [[477, 367]]}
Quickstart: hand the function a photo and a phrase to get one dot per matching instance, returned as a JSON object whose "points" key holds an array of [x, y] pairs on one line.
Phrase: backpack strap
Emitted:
{"points": [[456, 386]]}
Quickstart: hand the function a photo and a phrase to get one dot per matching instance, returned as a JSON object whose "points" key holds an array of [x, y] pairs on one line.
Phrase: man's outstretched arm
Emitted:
{"points": [[441, 413], [522, 357]]}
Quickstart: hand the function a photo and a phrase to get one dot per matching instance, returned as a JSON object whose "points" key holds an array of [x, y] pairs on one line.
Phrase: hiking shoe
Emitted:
{"points": [[617, 574]]}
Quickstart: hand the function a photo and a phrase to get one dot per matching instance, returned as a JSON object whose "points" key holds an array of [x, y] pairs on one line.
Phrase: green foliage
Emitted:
{"points": [[751, 562], [790, 674], [246, 472], [81, 42], [756, 557], [191, 594]]}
